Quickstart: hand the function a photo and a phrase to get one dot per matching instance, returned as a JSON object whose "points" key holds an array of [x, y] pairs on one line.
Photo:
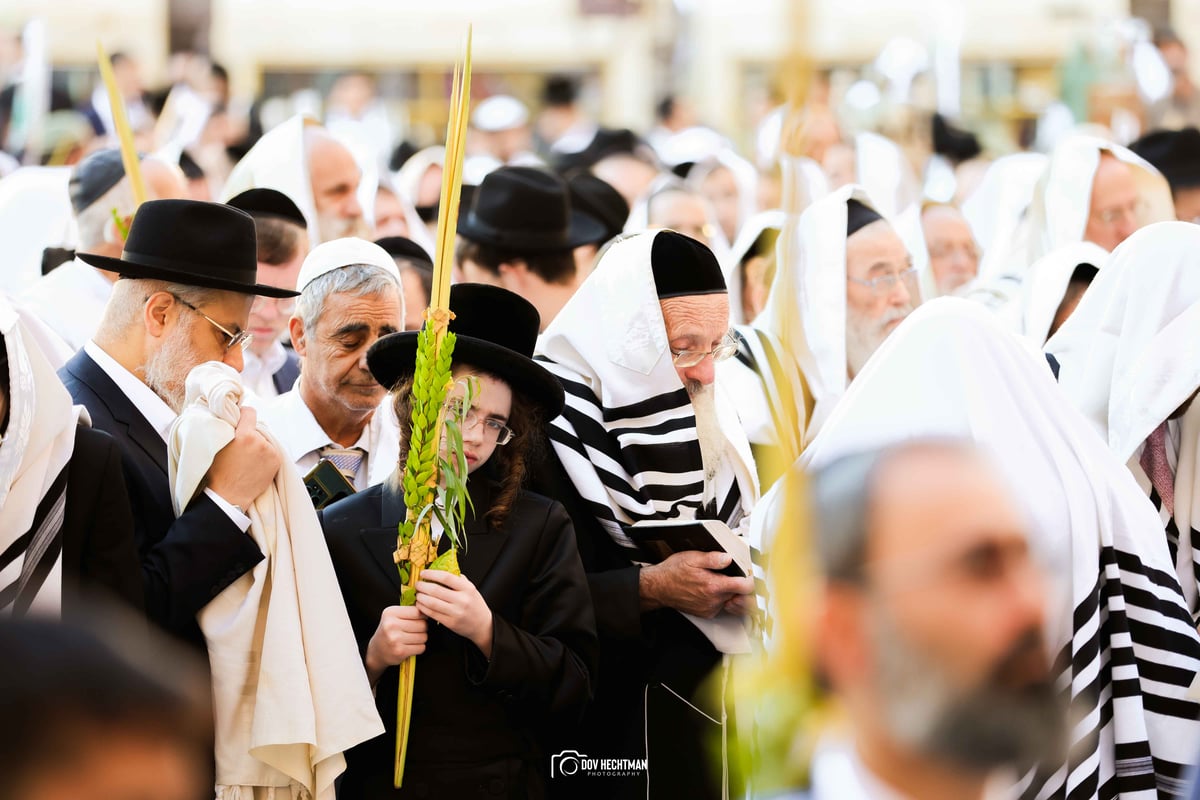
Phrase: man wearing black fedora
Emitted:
{"points": [[187, 278], [521, 233]]}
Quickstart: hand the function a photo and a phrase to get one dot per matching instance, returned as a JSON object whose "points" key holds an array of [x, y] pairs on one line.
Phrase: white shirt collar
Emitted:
{"points": [[258, 373], [150, 405]]}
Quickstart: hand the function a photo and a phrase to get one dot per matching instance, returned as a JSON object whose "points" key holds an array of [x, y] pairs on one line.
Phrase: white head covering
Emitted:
{"points": [[996, 206], [34, 455], [751, 230], [408, 177], [278, 161], [338, 253], [1047, 282], [1062, 199], [499, 112], [1130, 354], [609, 348], [885, 174], [1117, 623], [745, 176], [35, 213], [806, 310]]}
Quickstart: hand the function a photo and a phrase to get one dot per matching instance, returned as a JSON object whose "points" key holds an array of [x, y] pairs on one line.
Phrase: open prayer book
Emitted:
{"points": [[659, 539]]}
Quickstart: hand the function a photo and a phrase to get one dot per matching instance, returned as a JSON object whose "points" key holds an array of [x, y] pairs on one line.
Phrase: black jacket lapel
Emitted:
{"points": [[124, 412]]}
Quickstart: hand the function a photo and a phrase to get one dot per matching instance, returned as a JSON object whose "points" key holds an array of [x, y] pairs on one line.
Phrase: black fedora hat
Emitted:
{"points": [[191, 242], [527, 209], [599, 200], [269, 203], [495, 330]]}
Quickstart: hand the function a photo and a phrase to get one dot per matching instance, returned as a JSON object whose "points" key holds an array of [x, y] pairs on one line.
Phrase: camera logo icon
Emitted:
{"points": [[565, 763]]}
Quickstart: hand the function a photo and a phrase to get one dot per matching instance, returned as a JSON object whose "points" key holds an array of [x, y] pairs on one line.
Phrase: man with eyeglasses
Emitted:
{"points": [[187, 279], [953, 253], [272, 369], [350, 296], [648, 434], [835, 299]]}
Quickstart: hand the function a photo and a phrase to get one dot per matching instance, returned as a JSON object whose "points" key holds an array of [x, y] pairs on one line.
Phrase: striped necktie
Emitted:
{"points": [[1154, 463], [347, 460]]}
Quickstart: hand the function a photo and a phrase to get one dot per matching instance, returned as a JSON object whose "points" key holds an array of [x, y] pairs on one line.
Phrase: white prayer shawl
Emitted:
{"points": [[1130, 357], [1117, 620], [747, 236], [1058, 212], [885, 174], [408, 177], [278, 161], [995, 209], [806, 309], [34, 456], [290, 694], [1047, 282], [627, 437], [745, 176], [35, 213]]}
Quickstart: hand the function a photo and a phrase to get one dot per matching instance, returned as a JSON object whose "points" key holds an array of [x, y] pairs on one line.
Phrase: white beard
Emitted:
{"points": [[167, 369], [863, 337], [708, 431]]}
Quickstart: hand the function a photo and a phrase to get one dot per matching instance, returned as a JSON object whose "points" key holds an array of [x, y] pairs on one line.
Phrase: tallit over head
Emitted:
{"points": [[748, 237], [1130, 354], [1047, 282], [806, 310], [1117, 619], [279, 161], [628, 434], [1062, 199], [34, 456]]}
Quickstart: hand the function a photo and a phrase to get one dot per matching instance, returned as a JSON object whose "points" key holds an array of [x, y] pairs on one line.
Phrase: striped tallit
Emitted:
{"points": [[34, 458], [627, 437], [1126, 648]]}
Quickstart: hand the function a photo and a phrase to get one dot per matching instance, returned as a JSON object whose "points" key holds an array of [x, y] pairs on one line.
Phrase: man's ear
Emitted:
{"points": [[155, 313], [513, 274], [296, 331]]}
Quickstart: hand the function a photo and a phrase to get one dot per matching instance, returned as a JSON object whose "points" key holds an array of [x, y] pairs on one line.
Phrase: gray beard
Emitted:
{"points": [[167, 369], [980, 727], [708, 431], [863, 337]]}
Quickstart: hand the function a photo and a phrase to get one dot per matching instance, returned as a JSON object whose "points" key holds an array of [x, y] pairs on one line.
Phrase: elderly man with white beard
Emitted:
{"points": [[183, 298], [647, 435], [833, 302]]}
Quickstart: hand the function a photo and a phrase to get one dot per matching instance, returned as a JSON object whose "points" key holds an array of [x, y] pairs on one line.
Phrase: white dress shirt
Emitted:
{"points": [[294, 425], [160, 415], [70, 301], [258, 373]]}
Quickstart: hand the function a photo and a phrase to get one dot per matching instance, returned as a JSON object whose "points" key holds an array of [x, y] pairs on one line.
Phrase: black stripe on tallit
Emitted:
{"points": [[659, 404], [35, 576], [1121, 610]]}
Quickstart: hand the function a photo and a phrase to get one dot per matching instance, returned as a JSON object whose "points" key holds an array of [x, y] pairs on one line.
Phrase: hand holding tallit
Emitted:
{"points": [[686, 582], [245, 467]]}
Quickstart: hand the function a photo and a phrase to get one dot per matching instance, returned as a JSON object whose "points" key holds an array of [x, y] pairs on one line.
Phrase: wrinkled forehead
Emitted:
{"points": [[696, 315]]}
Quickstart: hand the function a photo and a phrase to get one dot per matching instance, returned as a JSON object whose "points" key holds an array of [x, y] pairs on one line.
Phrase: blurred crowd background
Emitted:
{"points": [[1018, 74]]}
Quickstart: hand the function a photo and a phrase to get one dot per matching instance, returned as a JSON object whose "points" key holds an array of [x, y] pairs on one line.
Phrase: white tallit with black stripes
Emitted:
{"points": [[1130, 358], [33, 475], [627, 436], [1124, 644]]}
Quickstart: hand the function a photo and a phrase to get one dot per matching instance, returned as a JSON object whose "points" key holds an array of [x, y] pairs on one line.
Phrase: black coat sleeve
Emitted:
{"points": [[202, 553]]}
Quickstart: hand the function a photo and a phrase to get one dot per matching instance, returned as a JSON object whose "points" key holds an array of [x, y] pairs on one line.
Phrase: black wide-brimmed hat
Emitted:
{"points": [[269, 203], [598, 199], [495, 330], [195, 243], [527, 210]]}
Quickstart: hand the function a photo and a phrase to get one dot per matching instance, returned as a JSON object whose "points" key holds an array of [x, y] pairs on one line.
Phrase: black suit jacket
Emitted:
{"points": [[285, 377], [99, 554], [484, 726], [185, 562]]}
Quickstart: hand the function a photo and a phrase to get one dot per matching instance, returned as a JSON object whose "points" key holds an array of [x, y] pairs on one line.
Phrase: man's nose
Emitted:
{"points": [[352, 209], [703, 373]]}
